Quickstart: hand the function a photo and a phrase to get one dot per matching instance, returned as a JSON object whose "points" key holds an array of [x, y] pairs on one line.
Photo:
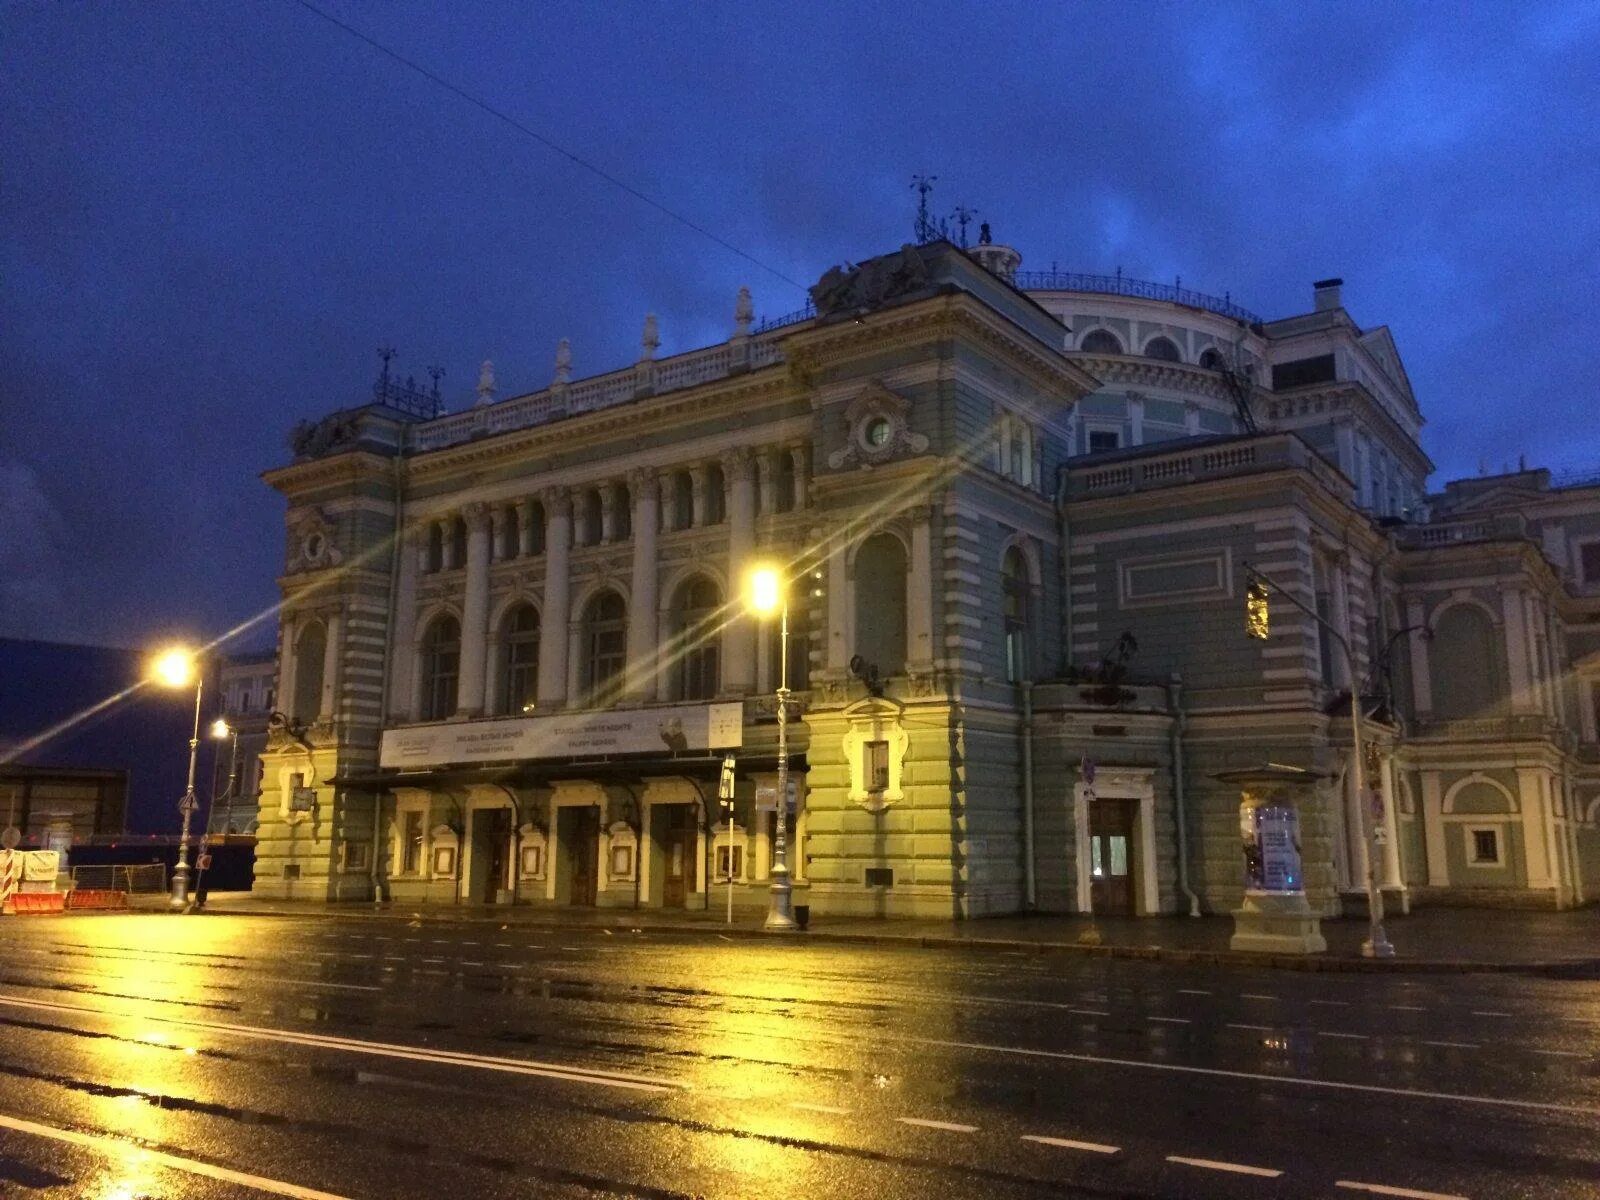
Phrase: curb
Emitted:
{"points": [[1561, 968]]}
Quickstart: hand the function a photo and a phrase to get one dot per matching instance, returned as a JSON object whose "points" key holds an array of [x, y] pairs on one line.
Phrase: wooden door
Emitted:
{"points": [[495, 847], [677, 856], [1111, 857], [585, 855]]}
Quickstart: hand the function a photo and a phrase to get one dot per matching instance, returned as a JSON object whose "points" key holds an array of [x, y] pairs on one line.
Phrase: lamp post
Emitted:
{"points": [[1377, 944], [177, 668], [221, 729], [769, 593]]}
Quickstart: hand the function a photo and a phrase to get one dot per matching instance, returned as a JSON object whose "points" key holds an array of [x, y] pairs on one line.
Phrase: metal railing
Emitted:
{"points": [[791, 318], [1140, 289]]}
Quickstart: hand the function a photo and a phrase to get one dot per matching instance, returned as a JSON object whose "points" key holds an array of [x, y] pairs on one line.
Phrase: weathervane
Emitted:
{"points": [[926, 229], [963, 217]]}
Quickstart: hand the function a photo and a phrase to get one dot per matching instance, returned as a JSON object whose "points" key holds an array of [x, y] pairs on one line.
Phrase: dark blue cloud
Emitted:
{"points": [[214, 215]]}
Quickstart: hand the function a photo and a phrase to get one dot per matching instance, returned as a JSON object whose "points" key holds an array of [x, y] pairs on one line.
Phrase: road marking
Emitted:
{"points": [[1193, 992], [1339, 1003], [133, 1153], [1407, 1007], [1255, 996], [1454, 1045], [469, 943], [1561, 1053], [323, 1041], [943, 1126], [830, 1109], [1255, 1028], [1381, 1189], [1355, 1037], [1337, 1085], [1070, 1144], [467, 962], [1171, 1020], [1235, 1168], [1089, 1012], [1479, 1013]]}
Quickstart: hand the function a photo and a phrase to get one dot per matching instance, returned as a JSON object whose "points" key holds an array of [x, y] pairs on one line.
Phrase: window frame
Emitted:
{"points": [[515, 701], [1472, 834]]}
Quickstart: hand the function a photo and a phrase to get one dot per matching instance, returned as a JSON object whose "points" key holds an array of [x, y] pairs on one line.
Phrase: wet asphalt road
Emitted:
{"points": [[221, 1056]]}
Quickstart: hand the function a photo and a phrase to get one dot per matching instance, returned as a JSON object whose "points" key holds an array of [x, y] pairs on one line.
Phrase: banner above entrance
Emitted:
{"points": [[566, 735]]}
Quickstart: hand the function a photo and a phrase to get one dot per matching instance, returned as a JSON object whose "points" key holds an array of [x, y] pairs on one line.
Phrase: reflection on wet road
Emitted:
{"points": [[222, 1055]]}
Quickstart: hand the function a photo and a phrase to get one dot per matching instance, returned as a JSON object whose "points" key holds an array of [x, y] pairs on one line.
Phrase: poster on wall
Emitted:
{"points": [[1278, 841]]}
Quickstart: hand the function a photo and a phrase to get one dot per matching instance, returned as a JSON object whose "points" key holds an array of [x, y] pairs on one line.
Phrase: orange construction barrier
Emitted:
{"points": [[23, 903], [96, 899]]}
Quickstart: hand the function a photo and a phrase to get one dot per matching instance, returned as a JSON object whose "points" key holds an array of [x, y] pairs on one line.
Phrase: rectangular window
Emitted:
{"points": [[1589, 560], [411, 842], [1324, 638], [1302, 371], [1485, 846], [877, 766], [354, 857], [1104, 439]]}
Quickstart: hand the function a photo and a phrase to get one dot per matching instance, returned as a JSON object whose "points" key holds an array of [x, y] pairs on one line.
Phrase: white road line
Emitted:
{"points": [[1337, 1085], [312, 983], [943, 1126], [323, 1041], [1254, 1028], [1453, 1045], [1339, 1003], [133, 1153], [1171, 1020], [1354, 1037], [1479, 1013], [1255, 996], [1213, 1165], [1406, 1007], [1089, 1012], [1381, 1189], [1193, 992], [1561, 1053], [469, 943], [830, 1109], [1070, 1144]]}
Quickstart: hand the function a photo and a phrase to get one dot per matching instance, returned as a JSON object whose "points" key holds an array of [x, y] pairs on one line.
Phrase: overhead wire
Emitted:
{"points": [[549, 143]]}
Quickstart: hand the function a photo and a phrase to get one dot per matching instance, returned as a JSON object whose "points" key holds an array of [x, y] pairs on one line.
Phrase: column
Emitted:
{"points": [[474, 612], [664, 503], [767, 477], [497, 534], [525, 527], [640, 683], [838, 656], [669, 649], [1355, 828], [332, 646], [801, 478], [608, 513], [738, 634], [1535, 827], [697, 478], [1516, 652], [1390, 874], [1421, 681], [447, 545], [919, 591], [1433, 830], [402, 632], [1136, 419], [557, 600], [1339, 570]]}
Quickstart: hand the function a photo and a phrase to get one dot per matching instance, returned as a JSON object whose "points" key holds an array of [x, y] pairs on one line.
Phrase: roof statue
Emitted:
{"points": [[743, 313], [650, 341], [486, 383], [985, 238], [871, 284], [563, 361]]}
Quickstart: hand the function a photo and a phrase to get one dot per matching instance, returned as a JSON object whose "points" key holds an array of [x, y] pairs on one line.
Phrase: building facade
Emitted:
{"points": [[1015, 512], [248, 686]]}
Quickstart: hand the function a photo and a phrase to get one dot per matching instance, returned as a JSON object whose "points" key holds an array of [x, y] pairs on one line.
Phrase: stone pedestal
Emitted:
{"points": [[1277, 923]]}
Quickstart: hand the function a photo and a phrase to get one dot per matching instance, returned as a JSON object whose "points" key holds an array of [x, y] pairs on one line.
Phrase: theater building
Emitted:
{"points": [[1015, 512]]}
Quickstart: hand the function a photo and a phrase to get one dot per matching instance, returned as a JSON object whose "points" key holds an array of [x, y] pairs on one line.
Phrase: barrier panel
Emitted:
{"points": [[101, 899], [33, 903]]}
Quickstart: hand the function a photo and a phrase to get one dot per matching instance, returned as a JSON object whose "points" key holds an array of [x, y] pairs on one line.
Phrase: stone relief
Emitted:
{"points": [[312, 439], [878, 429], [870, 285]]}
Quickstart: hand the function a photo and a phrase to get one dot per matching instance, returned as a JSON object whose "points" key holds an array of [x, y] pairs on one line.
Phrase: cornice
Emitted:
{"points": [[336, 468], [1156, 372]]}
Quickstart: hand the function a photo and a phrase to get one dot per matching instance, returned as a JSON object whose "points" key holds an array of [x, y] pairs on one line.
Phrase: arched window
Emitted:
{"points": [[1163, 348], [590, 518], [511, 533], [1210, 359], [695, 624], [310, 648], [716, 495], [623, 499], [536, 529], [682, 500], [605, 643], [881, 603], [435, 548], [1466, 663], [441, 667], [458, 543], [783, 481], [1100, 341], [519, 665], [1016, 590]]}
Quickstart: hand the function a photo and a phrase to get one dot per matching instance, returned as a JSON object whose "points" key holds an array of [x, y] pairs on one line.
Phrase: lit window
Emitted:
{"points": [[877, 766]]}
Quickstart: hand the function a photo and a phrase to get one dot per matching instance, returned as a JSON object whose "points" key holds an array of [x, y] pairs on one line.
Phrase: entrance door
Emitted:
{"points": [[493, 827], [585, 843], [678, 855], [1111, 857]]}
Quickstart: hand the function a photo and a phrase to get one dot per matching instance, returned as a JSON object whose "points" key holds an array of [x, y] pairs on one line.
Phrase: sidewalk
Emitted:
{"points": [[1437, 940]]}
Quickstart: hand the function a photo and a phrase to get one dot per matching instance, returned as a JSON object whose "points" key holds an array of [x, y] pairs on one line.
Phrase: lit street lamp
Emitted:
{"points": [[221, 729], [769, 593], [177, 668]]}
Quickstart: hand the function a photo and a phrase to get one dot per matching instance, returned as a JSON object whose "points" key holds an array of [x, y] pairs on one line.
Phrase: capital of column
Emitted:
{"points": [[641, 480], [738, 464], [476, 514], [556, 498]]}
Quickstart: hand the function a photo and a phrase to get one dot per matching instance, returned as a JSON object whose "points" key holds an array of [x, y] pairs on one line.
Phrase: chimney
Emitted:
{"points": [[1325, 294]]}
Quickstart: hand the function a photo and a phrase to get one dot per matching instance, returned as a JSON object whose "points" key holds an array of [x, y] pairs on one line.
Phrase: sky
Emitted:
{"points": [[213, 214]]}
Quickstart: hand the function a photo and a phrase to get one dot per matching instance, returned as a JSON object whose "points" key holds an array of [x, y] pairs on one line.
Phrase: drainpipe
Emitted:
{"points": [[1066, 571], [1175, 703], [1029, 866], [395, 550]]}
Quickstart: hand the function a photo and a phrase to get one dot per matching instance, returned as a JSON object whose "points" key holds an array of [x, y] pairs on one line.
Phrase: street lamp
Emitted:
{"points": [[178, 667], [221, 729], [768, 593]]}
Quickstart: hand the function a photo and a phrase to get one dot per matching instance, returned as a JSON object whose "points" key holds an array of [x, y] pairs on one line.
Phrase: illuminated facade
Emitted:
{"points": [[1015, 510]]}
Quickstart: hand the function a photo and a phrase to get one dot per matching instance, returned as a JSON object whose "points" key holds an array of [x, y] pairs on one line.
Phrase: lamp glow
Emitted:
{"points": [[174, 668], [766, 590], [221, 729]]}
